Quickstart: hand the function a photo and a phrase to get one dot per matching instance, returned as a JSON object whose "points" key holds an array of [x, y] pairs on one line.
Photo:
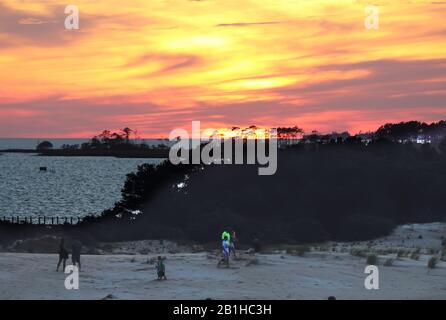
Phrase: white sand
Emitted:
{"points": [[276, 276]]}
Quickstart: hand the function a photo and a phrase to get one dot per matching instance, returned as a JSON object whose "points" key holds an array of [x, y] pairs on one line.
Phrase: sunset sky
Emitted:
{"points": [[156, 65]]}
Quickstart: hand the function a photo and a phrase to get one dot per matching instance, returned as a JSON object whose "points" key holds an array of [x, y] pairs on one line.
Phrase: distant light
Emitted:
{"points": [[181, 185]]}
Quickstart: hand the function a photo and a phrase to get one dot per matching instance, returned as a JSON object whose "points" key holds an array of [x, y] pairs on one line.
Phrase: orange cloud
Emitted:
{"points": [[155, 65]]}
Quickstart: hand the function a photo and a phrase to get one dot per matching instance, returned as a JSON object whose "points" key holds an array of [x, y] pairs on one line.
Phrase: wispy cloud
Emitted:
{"points": [[246, 24], [155, 66]]}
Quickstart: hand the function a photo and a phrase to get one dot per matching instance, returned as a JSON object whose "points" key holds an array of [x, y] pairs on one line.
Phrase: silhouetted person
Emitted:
{"points": [[63, 255], [256, 245], [76, 253], [161, 269], [225, 250], [233, 243]]}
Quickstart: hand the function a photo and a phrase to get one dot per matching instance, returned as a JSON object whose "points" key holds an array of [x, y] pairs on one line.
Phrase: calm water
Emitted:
{"points": [[73, 186], [11, 143]]}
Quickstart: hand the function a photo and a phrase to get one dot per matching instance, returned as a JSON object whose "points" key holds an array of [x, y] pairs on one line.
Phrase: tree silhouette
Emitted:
{"points": [[44, 145], [127, 132]]}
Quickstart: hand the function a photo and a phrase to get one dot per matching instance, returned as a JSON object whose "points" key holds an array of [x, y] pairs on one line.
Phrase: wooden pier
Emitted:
{"points": [[50, 221]]}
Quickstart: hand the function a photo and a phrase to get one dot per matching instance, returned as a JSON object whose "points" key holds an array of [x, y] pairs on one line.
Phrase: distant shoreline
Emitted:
{"points": [[19, 151], [149, 153]]}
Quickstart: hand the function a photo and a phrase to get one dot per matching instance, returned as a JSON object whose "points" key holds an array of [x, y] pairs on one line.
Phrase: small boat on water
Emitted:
{"points": [[45, 169]]}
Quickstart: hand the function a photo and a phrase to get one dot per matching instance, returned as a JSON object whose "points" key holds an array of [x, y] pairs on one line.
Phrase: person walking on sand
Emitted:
{"points": [[161, 269], [226, 235], [63, 255], [233, 244], [225, 253], [76, 249]]}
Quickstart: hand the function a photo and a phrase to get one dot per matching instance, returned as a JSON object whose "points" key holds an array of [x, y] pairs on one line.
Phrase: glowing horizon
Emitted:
{"points": [[158, 65]]}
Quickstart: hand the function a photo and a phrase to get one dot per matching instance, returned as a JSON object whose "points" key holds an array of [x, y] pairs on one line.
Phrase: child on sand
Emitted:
{"points": [[161, 269]]}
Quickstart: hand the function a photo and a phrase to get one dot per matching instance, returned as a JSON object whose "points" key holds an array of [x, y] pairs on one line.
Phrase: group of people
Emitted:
{"points": [[229, 243], [76, 248]]}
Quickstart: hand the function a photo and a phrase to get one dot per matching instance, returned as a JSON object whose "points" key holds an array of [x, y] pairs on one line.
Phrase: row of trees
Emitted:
{"points": [[257, 132], [126, 139], [391, 131], [411, 131], [109, 140], [404, 130], [105, 140]]}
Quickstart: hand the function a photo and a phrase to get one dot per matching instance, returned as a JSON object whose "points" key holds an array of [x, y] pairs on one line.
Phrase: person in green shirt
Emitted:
{"points": [[225, 249], [227, 235]]}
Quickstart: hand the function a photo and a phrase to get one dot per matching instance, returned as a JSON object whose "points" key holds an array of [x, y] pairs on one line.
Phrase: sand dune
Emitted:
{"points": [[328, 270]]}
